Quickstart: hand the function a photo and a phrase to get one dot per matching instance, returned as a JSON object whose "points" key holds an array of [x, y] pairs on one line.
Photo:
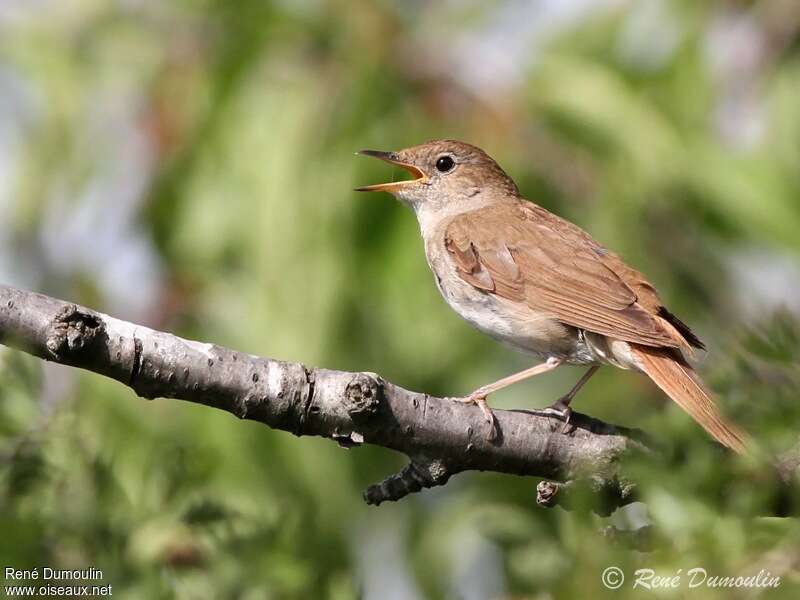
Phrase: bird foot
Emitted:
{"points": [[480, 401], [560, 408]]}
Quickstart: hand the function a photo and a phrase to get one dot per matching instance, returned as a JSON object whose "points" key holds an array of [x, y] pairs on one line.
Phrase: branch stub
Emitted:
{"points": [[72, 330], [362, 397]]}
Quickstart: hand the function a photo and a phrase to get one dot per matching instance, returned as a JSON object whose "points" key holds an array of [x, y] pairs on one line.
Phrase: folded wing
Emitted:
{"points": [[555, 267]]}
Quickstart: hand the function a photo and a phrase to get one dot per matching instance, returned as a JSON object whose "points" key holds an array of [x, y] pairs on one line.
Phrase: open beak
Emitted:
{"points": [[392, 159]]}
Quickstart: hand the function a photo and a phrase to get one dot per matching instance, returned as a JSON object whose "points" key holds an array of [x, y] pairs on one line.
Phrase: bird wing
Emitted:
{"points": [[530, 256]]}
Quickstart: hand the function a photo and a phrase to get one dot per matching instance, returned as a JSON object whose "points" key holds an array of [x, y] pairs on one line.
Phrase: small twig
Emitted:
{"points": [[414, 477]]}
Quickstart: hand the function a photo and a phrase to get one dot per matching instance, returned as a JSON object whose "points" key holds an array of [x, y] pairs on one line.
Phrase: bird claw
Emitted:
{"points": [[569, 427], [560, 408], [480, 401]]}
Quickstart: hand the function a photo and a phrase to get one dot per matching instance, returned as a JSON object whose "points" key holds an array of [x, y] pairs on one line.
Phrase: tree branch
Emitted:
{"points": [[440, 437]]}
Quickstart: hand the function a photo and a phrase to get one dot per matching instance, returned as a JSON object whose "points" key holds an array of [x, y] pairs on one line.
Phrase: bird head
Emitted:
{"points": [[444, 172]]}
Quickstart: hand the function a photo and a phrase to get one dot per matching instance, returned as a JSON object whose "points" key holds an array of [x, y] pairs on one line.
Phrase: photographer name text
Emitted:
{"points": [[54, 582]]}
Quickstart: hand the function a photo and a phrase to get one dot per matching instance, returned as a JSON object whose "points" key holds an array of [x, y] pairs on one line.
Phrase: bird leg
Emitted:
{"points": [[478, 397], [561, 406]]}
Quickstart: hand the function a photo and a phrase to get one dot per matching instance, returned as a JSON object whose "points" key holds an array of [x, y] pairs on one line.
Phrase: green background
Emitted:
{"points": [[189, 165]]}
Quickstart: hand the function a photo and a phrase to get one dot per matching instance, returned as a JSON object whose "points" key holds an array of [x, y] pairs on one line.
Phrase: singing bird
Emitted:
{"points": [[537, 282]]}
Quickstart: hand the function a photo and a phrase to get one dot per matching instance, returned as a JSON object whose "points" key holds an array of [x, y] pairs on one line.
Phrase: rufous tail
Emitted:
{"points": [[678, 380]]}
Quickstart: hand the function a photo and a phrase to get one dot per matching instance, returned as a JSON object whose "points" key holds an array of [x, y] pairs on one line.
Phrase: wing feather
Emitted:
{"points": [[528, 255]]}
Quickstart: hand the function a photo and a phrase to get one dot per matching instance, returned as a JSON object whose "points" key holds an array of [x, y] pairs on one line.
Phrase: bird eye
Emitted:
{"points": [[444, 164]]}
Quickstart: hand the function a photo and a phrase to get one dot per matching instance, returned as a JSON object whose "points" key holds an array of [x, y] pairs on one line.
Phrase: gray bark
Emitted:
{"points": [[440, 437]]}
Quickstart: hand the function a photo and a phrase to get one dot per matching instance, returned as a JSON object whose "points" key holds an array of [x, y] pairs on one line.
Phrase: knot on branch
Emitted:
{"points": [[546, 492], [348, 440], [362, 397], [415, 476], [599, 493], [71, 330]]}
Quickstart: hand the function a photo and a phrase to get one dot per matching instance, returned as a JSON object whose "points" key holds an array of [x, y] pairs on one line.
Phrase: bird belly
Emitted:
{"points": [[515, 324]]}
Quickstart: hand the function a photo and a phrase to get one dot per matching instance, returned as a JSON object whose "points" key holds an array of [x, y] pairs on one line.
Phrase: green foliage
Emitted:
{"points": [[248, 115]]}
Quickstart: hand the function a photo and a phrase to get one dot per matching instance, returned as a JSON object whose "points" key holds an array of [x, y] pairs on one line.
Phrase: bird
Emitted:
{"points": [[541, 284]]}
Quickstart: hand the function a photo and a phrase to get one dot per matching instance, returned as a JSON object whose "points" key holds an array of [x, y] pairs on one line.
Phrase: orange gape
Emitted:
{"points": [[541, 284]]}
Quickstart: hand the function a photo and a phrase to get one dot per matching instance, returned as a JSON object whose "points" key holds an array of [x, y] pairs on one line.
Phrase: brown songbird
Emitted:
{"points": [[541, 284]]}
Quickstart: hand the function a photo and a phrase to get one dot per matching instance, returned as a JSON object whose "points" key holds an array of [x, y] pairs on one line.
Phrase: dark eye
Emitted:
{"points": [[444, 164]]}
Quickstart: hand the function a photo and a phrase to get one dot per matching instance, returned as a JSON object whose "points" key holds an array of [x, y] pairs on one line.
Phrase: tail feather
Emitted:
{"points": [[679, 381]]}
